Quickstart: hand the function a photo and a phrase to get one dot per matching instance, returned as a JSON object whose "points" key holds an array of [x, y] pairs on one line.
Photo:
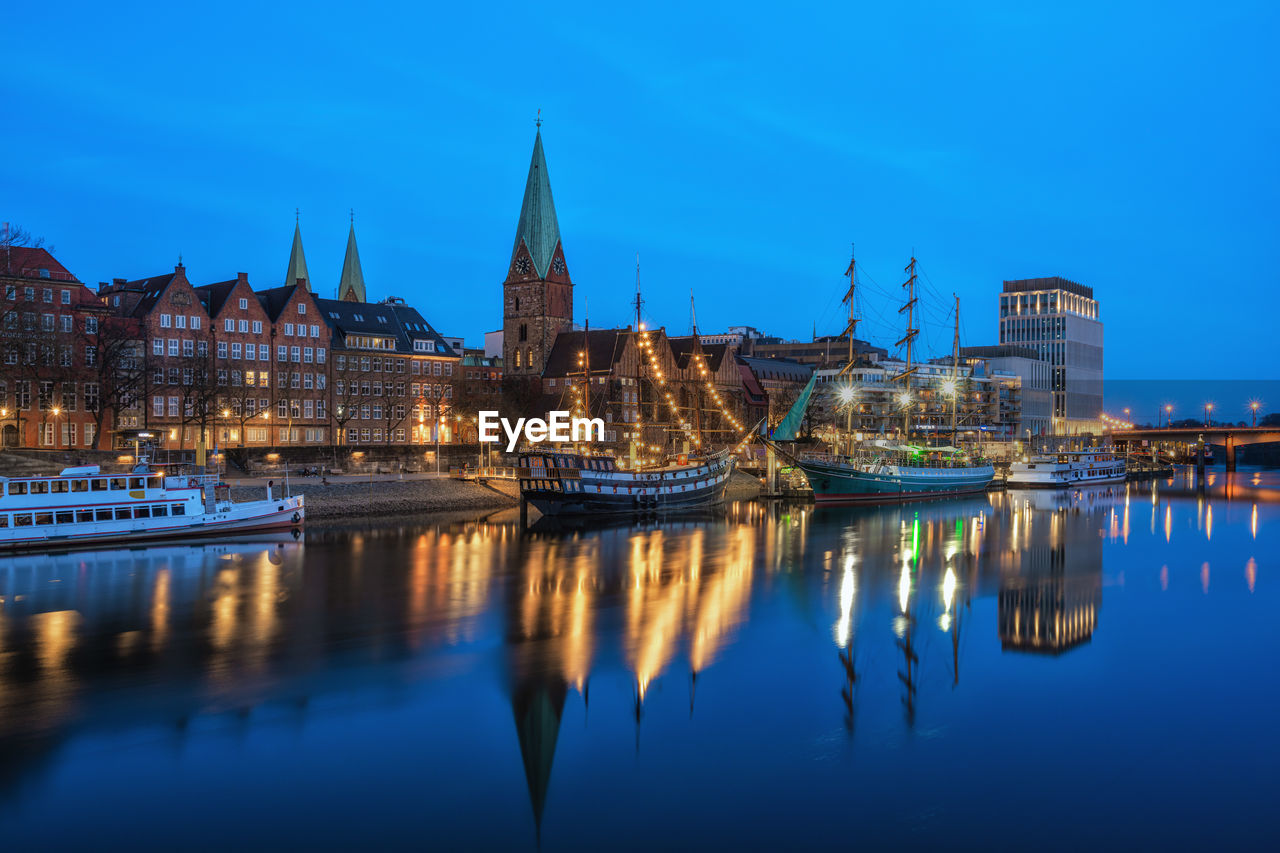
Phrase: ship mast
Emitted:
{"points": [[637, 445], [849, 331], [955, 372], [910, 309]]}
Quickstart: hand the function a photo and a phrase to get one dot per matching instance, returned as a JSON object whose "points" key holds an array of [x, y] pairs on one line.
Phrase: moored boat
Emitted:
{"points": [[82, 506], [570, 484], [880, 474], [1055, 470]]}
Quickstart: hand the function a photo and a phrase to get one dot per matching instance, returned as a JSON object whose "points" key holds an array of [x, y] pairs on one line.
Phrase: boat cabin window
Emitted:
{"points": [[4, 519], [17, 488], [60, 487], [79, 485], [155, 482], [22, 519], [178, 509], [123, 513], [44, 518], [142, 512], [104, 514], [137, 482], [118, 483], [39, 487], [159, 511], [65, 517], [83, 515], [98, 485]]}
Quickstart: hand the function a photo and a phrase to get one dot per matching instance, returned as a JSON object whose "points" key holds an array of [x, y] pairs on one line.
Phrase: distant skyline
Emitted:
{"points": [[738, 152]]}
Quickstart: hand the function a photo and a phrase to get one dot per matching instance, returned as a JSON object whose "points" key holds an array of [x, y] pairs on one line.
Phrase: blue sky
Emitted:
{"points": [[738, 149]]}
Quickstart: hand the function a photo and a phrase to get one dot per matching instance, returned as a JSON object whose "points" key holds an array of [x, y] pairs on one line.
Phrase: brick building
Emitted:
{"points": [[50, 364]]}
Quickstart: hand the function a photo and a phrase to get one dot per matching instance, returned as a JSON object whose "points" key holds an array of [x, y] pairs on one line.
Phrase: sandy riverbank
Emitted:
{"points": [[393, 498]]}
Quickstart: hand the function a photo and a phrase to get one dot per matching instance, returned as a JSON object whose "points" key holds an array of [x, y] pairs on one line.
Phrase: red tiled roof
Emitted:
{"points": [[33, 262]]}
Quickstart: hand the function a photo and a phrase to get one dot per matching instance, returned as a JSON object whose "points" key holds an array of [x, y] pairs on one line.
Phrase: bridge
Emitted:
{"points": [[1228, 436]]}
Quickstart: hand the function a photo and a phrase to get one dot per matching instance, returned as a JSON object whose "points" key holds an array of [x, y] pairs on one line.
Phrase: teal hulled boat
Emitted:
{"points": [[893, 473]]}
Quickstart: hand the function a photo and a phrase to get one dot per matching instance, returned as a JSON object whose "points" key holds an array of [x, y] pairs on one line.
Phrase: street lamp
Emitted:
{"points": [[1208, 407], [1168, 412], [55, 411], [1253, 406]]}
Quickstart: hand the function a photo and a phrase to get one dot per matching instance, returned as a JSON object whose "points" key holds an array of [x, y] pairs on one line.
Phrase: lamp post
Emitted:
{"points": [[1253, 406], [55, 411], [439, 429], [1208, 407], [1168, 413], [1126, 418]]}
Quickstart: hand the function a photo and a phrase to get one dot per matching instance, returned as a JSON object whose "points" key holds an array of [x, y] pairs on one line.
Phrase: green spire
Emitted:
{"points": [[351, 285], [297, 260], [538, 229]]}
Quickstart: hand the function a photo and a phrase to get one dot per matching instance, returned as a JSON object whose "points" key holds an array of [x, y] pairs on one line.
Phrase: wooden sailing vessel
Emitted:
{"points": [[884, 471]]}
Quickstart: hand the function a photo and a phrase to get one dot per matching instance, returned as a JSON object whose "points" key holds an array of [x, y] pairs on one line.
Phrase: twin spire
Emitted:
{"points": [[350, 285]]}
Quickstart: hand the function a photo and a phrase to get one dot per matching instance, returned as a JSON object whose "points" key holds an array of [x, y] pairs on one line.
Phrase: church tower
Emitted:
{"points": [[537, 296]]}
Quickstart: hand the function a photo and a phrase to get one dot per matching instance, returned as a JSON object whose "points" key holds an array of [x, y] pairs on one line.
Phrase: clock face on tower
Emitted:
{"points": [[557, 266], [522, 265]]}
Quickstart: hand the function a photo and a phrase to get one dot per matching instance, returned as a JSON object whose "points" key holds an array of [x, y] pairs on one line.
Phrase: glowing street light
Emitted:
{"points": [[904, 399], [1253, 406], [1168, 411], [845, 394], [1208, 408]]}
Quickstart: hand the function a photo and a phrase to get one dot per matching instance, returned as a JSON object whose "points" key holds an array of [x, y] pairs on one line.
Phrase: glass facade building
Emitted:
{"points": [[1060, 320]]}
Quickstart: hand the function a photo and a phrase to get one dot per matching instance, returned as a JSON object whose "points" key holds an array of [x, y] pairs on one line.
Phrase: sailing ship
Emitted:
{"points": [[568, 484], [881, 471], [579, 484], [82, 506], [1057, 470]]}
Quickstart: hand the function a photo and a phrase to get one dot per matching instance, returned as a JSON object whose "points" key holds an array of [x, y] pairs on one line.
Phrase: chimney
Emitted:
{"points": [[242, 276]]}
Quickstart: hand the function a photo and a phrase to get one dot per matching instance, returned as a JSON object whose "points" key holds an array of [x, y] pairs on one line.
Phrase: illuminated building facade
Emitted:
{"points": [[1060, 320]]}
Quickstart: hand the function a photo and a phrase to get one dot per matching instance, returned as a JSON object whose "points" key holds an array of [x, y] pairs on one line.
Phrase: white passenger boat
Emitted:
{"points": [[1054, 470], [82, 505]]}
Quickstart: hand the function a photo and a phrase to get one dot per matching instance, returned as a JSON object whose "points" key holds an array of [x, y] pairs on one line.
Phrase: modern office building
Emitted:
{"points": [[1059, 319], [1035, 414]]}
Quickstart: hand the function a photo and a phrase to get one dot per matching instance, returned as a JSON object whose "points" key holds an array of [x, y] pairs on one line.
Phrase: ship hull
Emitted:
{"points": [[247, 517], [833, 483], [624, 494]]}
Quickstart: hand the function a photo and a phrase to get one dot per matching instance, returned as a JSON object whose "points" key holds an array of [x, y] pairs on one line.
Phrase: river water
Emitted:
{"points": [[1028, 669]]}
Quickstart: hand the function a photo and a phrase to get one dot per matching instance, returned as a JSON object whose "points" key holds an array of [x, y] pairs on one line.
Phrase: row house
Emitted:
{"points": [[393, 376], [53, 344]]}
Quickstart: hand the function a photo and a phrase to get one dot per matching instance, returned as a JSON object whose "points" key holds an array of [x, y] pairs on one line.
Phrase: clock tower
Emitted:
{"points": [[537, 296]]}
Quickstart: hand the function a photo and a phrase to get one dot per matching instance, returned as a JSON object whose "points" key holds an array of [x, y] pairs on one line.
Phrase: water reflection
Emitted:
{"points": [[900, 597]]}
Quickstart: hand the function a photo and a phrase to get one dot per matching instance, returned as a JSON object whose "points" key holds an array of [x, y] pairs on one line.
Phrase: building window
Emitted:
{"points": [[257, 327], [195, 322], [166, 320], [180, 321], [244, 304], [228, 325], [302, 308]]}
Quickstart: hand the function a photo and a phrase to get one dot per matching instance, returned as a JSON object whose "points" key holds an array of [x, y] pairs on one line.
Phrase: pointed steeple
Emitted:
{"points": [[351, 285], [297, 260], [538, 228]]}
